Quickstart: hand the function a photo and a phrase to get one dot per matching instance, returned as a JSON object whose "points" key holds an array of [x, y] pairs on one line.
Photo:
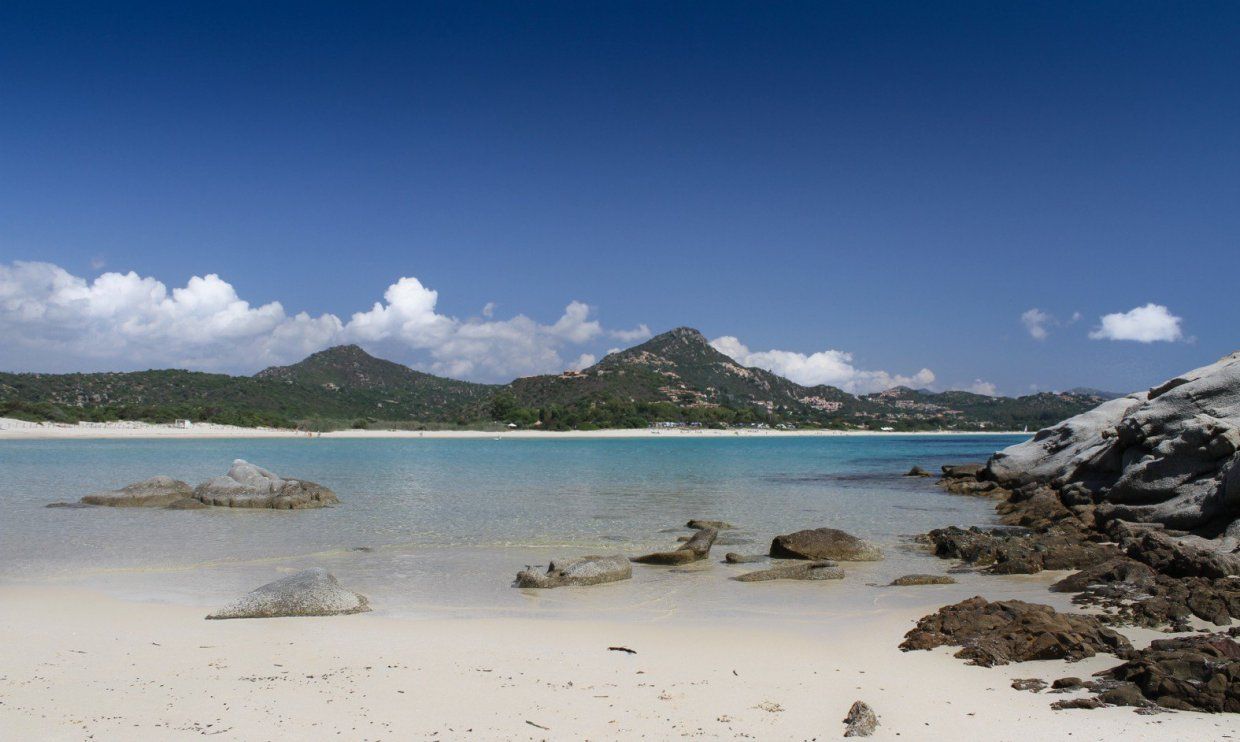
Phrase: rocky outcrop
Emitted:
{"points": [[156, 492], [1169, 456], [693, 550], [1192, 673], [999, 632], [798, 571], [911, 580], [313, 592], [249, 486], [824, 543], [860, 721], [1018, 551], [588, 570]]}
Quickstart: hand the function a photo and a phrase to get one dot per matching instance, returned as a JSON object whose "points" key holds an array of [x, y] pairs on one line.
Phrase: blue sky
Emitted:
{"points": [[891, 186]]}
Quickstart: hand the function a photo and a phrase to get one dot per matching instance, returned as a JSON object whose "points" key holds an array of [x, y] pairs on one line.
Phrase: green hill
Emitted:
{"points": [[674, 377]]}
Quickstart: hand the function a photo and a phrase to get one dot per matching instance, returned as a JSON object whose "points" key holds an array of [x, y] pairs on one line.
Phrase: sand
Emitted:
{"points": [[11, 429], [79, 665]]}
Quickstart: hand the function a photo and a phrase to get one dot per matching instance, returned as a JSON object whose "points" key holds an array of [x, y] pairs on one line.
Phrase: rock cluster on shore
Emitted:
{"points": [[244, 486], [1142, 494], [999, 632]]}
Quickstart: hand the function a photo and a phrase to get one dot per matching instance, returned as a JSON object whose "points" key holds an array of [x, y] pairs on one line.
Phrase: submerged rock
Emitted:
{"points": [[733, 558], [910, 580], [156, 492], [799, 571], [250, 486], [824, 543], [587, 570], [999, 632], [718, 525], [698, 547], [860, 721], [313, 592]]}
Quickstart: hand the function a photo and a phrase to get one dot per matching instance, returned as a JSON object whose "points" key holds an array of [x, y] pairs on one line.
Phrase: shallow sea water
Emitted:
{"points": [[438, 528]]}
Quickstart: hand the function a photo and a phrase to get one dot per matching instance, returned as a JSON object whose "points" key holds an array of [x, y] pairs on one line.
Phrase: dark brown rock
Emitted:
{"points": [[1034, 685], [824, 543], [1195, 673], [999, 632]]}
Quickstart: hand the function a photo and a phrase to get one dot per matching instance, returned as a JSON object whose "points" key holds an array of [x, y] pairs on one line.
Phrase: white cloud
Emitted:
{"points": [[832, 367], [585, 360], [983, 387], [1148, 324], [53, 320], [1035, 321], [641, 332], [488, 309]]}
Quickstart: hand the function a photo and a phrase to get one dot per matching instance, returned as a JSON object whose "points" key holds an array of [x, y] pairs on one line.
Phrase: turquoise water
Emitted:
{"points": [[441, 526]]}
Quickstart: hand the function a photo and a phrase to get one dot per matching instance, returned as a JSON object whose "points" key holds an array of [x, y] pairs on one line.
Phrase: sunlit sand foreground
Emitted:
{"points": [[78, 665], [20, 429]]}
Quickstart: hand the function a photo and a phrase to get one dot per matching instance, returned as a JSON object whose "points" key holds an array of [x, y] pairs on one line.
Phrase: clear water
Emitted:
{"points": [[439, 527]]}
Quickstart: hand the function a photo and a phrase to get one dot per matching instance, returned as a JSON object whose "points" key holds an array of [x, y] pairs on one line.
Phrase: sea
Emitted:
{"points": [[438, 528]]}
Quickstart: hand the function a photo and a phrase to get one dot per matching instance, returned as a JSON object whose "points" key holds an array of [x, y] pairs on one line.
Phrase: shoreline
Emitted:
{"points": [[22, 430], [79, 664]]}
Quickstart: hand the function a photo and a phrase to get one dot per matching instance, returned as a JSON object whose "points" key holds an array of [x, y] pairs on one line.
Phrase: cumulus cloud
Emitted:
{"points": [[1035, 321], [983, 387], [585, 360], [641, 332], [1147, 324], [52, 319], [832, 367]]}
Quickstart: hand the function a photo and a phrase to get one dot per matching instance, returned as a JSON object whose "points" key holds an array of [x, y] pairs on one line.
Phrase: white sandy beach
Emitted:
{"points": [[80, 665], [11, 429]]}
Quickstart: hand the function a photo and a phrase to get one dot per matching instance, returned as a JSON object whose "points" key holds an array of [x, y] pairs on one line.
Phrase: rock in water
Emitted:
{"points": [[1012, 631], [588, 570], [156, 492], [824, 543], [861, 721], [733, 558], [1169, 456], [799, 571], [313, 592], [909, 580], [917, 471], [250, 486], [718, 525], [696, 548]]}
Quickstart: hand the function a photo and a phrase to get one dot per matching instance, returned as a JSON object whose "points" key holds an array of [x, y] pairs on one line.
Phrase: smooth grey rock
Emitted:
{"points": [[796, 571], [696, 548], [1167, 456], [249, 486], [824, 543], [588, 570], [156, 492], [312, 592], [861, 720]]}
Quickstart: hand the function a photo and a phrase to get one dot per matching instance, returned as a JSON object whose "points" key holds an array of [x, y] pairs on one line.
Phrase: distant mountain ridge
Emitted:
{"points": [[673, 377]]}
